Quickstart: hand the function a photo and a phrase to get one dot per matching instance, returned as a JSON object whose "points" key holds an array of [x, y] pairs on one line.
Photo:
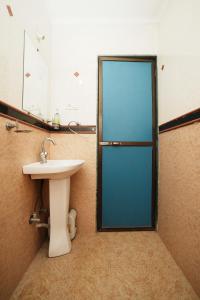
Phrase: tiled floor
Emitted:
{"points": [[106, 266]]}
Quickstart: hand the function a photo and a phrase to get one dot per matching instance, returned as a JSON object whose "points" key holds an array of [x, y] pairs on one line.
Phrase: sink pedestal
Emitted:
{"points": [[59, 192], [58, 173]]}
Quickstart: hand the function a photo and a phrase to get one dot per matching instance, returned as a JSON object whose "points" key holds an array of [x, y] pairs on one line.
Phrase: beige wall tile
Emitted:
{"points": [[179, 192], [179, 198], [19, 241]]}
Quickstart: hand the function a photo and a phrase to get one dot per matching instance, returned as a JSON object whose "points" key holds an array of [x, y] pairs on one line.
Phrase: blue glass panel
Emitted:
{"points": [[127, 101], [126, 187]]}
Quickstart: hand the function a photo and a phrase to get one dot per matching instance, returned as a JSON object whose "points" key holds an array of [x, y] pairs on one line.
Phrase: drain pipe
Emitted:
{"points": [[71, 223], [34, 219]]}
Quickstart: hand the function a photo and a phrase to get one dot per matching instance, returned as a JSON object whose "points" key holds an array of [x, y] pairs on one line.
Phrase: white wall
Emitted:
{"points": [[179, 51], [76, 46], [30, 16], [11, 58]]}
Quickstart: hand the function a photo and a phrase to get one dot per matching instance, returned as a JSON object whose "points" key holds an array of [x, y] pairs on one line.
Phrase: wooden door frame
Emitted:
{"points": [[153, 60]]}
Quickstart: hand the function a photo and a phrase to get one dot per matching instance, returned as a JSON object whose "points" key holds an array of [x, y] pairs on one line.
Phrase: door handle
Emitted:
{"points": [[116, 143], [110, 143], [105, 143]]}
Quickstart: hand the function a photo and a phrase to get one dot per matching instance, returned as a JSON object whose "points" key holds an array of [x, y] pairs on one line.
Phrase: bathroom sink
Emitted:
{"points": [[53, 169], [58, 173]]}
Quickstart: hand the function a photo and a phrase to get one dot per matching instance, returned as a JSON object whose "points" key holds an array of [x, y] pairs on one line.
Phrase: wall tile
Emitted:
{"points": [[19, 241], [179, 198]]}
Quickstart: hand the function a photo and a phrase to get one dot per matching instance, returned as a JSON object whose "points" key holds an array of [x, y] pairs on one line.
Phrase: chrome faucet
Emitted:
{"points": [[44, 153]]}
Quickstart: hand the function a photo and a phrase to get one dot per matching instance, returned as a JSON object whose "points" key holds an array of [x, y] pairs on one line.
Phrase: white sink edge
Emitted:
{"points": [[38, 168]]}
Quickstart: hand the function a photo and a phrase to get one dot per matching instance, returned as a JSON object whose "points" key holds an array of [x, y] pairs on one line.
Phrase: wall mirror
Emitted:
{"points": [[11, 59], [35, 81]]}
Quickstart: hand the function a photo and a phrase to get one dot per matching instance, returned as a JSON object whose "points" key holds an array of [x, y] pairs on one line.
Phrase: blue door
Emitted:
{"points": [[126, 141]]}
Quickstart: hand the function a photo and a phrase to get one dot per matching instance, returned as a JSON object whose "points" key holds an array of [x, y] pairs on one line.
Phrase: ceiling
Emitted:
{"points": [[127, 10]]}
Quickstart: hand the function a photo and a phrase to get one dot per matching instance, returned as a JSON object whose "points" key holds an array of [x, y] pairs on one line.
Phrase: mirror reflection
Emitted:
{"points": [[35, 80], [25, 56]]}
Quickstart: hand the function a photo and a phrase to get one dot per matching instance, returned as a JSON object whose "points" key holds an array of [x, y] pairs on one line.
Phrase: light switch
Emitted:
{"points": [[72, 107]]}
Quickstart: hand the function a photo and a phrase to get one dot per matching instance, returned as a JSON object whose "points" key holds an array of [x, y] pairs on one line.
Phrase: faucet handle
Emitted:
{"points": [[10, 125], [51, 140]]}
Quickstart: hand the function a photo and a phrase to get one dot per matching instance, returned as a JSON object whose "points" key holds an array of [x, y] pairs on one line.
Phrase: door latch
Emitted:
{"points": [[116, 143], [105, 143], [110, 143]]}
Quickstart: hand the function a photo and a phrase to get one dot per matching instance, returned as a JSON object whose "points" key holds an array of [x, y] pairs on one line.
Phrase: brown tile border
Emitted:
{"points": [[22, 122], [184, 120], [14, 113]]}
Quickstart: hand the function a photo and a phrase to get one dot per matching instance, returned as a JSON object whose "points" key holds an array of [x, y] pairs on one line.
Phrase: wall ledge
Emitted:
{"points": [[26, 118], [184, 120]]}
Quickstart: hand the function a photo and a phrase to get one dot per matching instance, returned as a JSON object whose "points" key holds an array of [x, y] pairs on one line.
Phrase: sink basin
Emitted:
{"points": [[58, 173], [53, 169]]}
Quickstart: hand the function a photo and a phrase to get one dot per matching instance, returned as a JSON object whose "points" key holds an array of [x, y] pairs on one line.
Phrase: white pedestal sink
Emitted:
{"points": [[58, 172]]}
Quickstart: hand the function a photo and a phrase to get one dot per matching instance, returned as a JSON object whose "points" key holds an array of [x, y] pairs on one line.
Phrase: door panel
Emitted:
{"points": [[126, 187], [126, 143], [127, 101]]}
